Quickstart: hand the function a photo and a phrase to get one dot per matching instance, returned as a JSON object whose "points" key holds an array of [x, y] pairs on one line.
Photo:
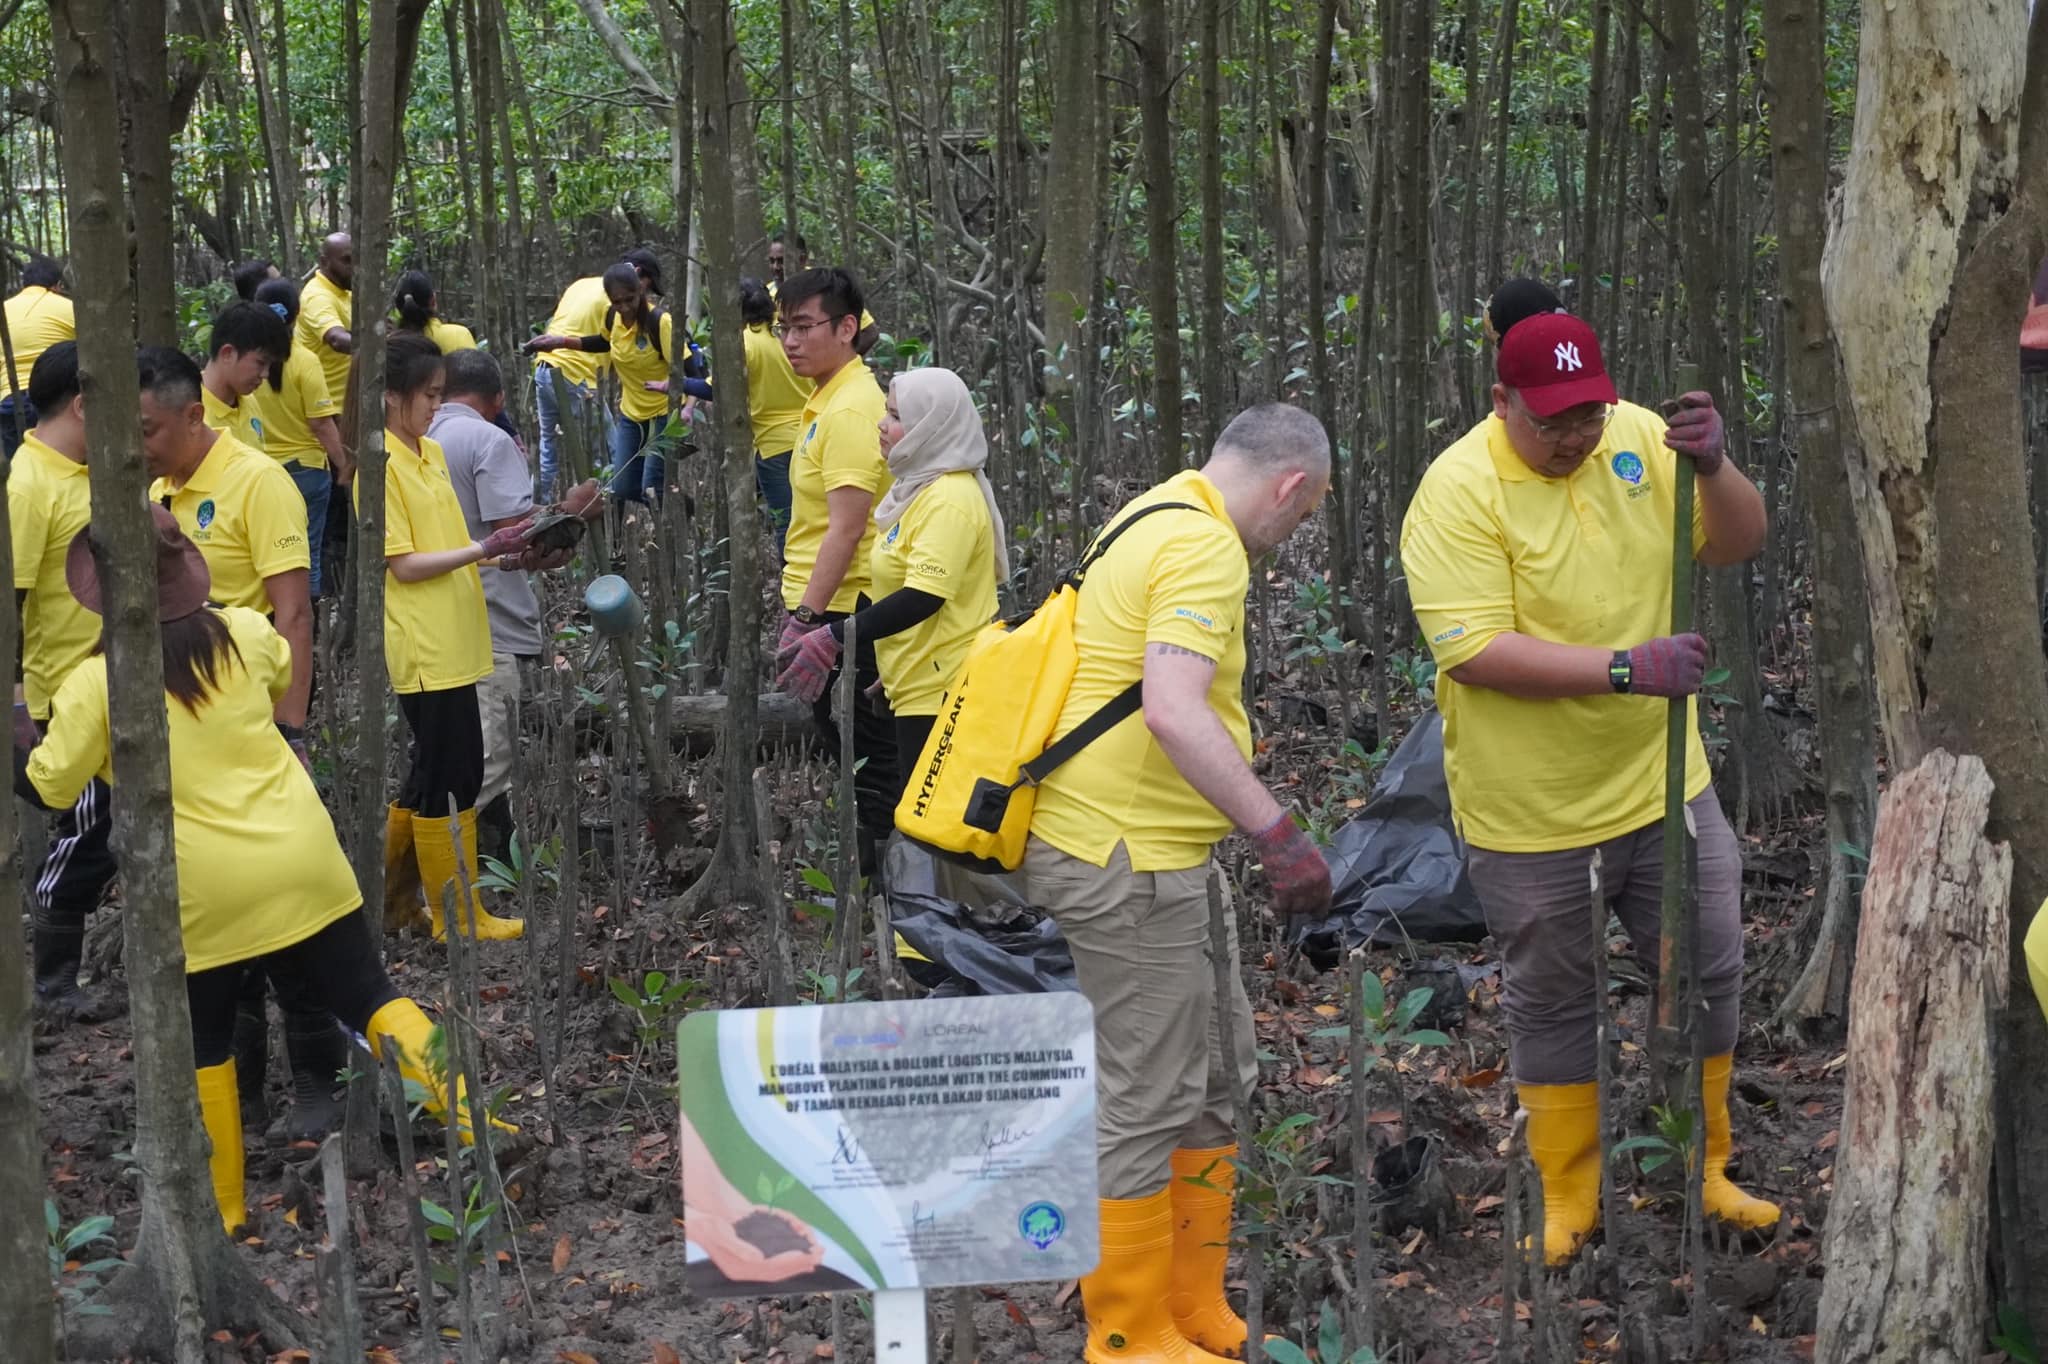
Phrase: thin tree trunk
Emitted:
{"points": [[1503, 131], [1209, 140], [1587, 252], [472, 237], [283, 162], [1155, 50], [1471, 385], [1072, 157], [1341, 544], [146, 95]]}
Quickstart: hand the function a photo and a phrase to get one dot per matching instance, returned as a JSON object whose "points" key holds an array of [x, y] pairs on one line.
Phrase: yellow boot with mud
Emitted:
{"points": [[401, 872], [1718, 1194], [1126, 1296], [435, 841], [220, 1112], [1201, 1249], [404, 1023], [1564, 1141]]}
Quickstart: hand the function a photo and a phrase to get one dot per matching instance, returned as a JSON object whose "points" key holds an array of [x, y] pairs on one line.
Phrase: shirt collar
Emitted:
{"points": [[459, 412], [851, 372], [209, 471], [60, 463]]}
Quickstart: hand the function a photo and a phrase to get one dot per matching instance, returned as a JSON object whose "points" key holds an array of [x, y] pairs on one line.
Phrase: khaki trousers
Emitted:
{"points": [[497, 699], [1141, 949]]}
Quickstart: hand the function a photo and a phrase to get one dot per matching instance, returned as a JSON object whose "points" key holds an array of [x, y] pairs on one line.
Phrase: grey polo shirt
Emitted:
{"points": [[492, 482]]}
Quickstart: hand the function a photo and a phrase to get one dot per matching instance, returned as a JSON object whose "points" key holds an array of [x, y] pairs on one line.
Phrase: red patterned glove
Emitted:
{"points": [[792, 631], [1694, 429], [808, 663], [1671, 666], [507, 539], [1294, 867]]}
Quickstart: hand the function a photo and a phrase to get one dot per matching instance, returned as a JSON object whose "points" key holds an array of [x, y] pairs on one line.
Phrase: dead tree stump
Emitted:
{"points": [[1911, 1216]]}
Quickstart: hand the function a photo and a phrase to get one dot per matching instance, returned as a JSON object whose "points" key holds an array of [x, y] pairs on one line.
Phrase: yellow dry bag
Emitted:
{"points": [[971, 794]]}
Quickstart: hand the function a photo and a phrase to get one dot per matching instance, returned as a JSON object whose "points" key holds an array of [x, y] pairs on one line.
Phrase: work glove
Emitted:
{"points": [[507, 539], [808, 663], [1672, 665], [1694, 429], [792, 631], [1294, 868]]}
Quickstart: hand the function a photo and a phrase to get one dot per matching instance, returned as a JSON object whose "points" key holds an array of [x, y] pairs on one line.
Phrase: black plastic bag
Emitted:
{"points": [[999, 946]]}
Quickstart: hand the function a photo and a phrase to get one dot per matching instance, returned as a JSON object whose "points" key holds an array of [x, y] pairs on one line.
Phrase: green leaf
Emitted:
{"points": [[1285, 1352], [1329, 1334], [1426, 1037], [1412, 1003], [651, 985], [816, 880], [1639, 1144], [1373, 995], [435, 1214], [86, 1232], [624, 993], [764, 1188], [1715, 677]]}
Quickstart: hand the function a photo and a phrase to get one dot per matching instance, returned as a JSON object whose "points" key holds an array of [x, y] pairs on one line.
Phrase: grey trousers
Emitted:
{"points": [[1538, 910], [1141, 949]]}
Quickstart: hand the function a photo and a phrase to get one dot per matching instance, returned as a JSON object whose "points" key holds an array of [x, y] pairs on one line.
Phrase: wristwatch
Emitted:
{"points": [[804, 615], [1620, 672]]}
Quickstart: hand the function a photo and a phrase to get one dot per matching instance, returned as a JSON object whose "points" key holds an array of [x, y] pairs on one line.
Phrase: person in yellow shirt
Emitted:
{"points": [[419, 310], [775, 405], [326, 313], [263, 885], [247, 341], [48, 502], [38, 317], [1120, 852], [640, 338], [836, 476], [936, 563], [437, 642], [1536, 550], [301, 425], [574, 346]]}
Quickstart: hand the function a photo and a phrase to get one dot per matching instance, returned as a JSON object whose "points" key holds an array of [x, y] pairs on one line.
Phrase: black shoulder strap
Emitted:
{"points": [[1125, 703]]}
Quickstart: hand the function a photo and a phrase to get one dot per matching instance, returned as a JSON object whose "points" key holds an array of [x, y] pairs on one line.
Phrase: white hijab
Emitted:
{"points": [[941, 435]]}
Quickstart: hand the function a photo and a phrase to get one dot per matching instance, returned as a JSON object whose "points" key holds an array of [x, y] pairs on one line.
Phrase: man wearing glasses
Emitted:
{"points": [[1538, 556], [836, 475]]}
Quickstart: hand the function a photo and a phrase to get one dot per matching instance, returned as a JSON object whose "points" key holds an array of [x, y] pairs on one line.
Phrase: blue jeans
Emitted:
{"points": [[17, 419], [771, 480], [550, 414], [316, 486], [637, 464]]}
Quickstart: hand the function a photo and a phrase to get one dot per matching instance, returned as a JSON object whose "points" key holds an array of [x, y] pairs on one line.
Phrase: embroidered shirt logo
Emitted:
{"points": [[1627, 466], [1567, 354]]}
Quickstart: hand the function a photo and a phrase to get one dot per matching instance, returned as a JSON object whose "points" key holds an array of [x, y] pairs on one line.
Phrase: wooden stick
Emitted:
{"points": [[1364, 1214], [1511, 1253], [778, 972], [1603, 1028], [846, 899], [1224, 958], [1677, 736], [341, 1316], [409, 1176]]}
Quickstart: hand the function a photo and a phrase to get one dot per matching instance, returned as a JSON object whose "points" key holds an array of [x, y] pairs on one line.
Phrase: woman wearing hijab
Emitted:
{"points": [[936, 562], [263, 886]]}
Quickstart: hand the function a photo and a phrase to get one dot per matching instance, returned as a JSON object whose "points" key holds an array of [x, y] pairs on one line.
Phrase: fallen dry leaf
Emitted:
{"points": [[574, 1357], [1756, 1324], [563, 1248], [1480, 1079], [823, 1351], [1488, 1204], [664, 1353], [1827, 1142]]}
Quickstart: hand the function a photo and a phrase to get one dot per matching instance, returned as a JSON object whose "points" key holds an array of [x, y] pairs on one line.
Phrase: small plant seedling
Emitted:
{"points": [[831, 990], [657, 999], [1387, 1028], [75, 1281], [1329, 1345], [443, 1226], [767, 1192], [1673, 1140]]}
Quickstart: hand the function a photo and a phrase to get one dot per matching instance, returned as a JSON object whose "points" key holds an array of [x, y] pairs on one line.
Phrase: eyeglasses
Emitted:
{"points": [[802, 330], [1588, 427]]}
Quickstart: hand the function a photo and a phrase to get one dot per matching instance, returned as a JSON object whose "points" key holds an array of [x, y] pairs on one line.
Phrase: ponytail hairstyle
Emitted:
{"points": [[414, 301], [647, 321], [281, 296]]}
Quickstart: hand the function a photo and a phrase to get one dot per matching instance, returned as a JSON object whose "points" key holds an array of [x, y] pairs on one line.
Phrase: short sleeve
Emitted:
{"points": [[28, 521], [504, 487], [322, 312], [314, 399], [1459, 578], [852, 456], [1195, 595], [941, 548], [276, 523], [75, 745]]}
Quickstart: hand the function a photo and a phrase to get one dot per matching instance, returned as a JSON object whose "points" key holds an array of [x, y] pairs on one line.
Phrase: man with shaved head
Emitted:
{"points": [[324, 312], [1121, 841]]}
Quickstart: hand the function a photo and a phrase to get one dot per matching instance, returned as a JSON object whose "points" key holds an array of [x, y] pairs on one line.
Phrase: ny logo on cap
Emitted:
{"points": [[1567, 353]]}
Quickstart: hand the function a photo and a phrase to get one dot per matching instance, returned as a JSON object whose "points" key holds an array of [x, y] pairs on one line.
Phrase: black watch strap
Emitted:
{"points": [[1620, 672], [804, 615]]}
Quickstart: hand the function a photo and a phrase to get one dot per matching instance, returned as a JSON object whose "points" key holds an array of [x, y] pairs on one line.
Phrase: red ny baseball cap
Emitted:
{"points": [[1553, 361]]}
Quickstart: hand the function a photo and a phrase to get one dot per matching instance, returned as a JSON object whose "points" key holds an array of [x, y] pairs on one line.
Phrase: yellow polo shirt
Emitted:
{"points": [[776, 394], [259, 867], [287, 414], [1491, 546], [943, 544], [436, 634], [324, 305], [238, 419], [840, 447], [450, 336], [246, 515], [1176, 577], [579, 312], [37, 319], [638, 362], [49, 500]]}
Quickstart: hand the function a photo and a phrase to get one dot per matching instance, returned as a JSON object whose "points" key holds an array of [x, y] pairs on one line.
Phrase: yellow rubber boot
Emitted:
{"points": [[1126, 1296], [402, 1021], [1718, 1195], [1564, 1141], [220, 1112], [401, 871], [434, 839], [1201, 1248]]}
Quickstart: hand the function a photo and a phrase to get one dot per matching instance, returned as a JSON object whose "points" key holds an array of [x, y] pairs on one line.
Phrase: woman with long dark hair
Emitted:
{"points": [[263, 885], [437, 642], [301, 422], [419, 310]]}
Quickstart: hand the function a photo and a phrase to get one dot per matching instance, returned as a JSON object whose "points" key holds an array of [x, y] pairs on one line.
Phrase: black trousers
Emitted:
{"points": [[447, 751], [912, 731], [80, 862], [335, 970], [878, 782]]}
